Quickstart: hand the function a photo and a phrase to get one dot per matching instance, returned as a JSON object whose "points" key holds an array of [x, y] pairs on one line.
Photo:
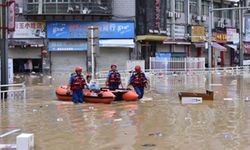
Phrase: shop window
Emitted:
{"points": [[205, 8], [27, 65], [217, 13], [193, 7], [179, 6], [168, 3]]}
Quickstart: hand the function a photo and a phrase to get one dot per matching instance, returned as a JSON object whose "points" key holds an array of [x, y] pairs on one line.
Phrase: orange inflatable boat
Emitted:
{"points": [[105, 97], [124, 94]]}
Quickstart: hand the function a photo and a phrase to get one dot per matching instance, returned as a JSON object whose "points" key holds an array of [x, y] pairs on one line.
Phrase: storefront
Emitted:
{"points": [[232, 45], [246, 60], [149, 45], [26, 45], [220, 55], [68, 44], [198, 39]]}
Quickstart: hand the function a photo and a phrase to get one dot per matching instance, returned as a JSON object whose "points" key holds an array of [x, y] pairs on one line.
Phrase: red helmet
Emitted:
{"points": [[78, 69], [137, 68], [113, 65]]}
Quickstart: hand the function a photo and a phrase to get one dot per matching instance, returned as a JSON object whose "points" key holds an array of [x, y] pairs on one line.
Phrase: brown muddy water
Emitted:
{"points": [[159, 121]]}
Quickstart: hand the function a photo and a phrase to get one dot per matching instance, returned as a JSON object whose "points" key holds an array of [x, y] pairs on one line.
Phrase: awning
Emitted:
{"points": [[200, 45], [177, 42], [26, 43], [232, 46], [218, 46], [129, 43], [151, 38]]}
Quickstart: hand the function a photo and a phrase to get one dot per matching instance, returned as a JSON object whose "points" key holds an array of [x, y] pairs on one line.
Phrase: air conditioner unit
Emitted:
{"points": [[170, 14], [220, 24], [221, 20], [177, 15], [151, 31], [226, 21], [203, 18], [19, 10], [198, 18]]}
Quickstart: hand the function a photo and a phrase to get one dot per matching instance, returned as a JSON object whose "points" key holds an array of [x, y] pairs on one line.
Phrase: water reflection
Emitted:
{"points": [[160, 122]]}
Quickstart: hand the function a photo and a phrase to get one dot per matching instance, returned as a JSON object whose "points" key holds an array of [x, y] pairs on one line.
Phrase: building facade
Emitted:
{"points": [[179, 28], [53, 33], [64, 40]]}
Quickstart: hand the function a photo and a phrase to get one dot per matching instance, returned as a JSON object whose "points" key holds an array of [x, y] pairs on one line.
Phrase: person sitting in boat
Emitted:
{"points": [[76, 84], [92, 85], [88, 79], [139, 81], [114, 78]]}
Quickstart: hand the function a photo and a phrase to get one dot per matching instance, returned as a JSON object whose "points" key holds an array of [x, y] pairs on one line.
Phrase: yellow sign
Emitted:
{"points": [[220, 37], [198, 34]]}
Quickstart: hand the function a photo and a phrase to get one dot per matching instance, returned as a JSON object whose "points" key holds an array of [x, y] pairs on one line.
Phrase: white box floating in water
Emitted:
{"points": [[228, 99], [191, 100], [25, 141]]}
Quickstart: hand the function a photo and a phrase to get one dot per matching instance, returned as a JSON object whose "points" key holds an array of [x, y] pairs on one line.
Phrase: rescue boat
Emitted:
{"points": [[105, 97], [124, 94]]}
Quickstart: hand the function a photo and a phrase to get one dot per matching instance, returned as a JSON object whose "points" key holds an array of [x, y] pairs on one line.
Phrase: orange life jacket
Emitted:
{"points": [[139, 79], [78, 83], [114, 77]]}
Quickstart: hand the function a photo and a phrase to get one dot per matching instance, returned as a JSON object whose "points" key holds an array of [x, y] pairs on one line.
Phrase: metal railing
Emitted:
{"points": [[69, 7], [177, 64], [169, 76], [12, 91]]}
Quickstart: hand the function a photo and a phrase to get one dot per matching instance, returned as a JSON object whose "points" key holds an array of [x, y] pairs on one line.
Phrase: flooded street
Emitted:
{"points": [[159, 121]]}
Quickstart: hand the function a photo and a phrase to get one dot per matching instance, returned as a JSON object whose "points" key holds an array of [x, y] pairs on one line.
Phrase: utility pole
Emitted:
{"points": [[172, 31], [92, 45], [210, 34], [4, 45], [241, 35]]}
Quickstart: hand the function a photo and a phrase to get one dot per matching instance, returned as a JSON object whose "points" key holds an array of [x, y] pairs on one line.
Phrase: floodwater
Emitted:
{"points": [[159, 121]]}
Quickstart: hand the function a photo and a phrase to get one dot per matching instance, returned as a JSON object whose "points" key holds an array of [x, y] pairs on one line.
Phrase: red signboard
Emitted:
{"points": [[157, 14]]}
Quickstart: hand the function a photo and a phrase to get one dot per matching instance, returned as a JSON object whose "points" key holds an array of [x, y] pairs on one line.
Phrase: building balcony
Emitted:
{"points": [[68, 8]]}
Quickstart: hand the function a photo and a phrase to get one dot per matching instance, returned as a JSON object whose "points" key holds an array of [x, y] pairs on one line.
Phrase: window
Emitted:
{"points": [[168, 3], [227, 13], [179, 6], [217, 13], [193, 7], [205, 8]]}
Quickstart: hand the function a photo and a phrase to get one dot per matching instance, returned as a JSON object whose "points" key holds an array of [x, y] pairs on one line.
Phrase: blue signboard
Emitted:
{"points": [[162, 55], [67, 45], [79, 30]]}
